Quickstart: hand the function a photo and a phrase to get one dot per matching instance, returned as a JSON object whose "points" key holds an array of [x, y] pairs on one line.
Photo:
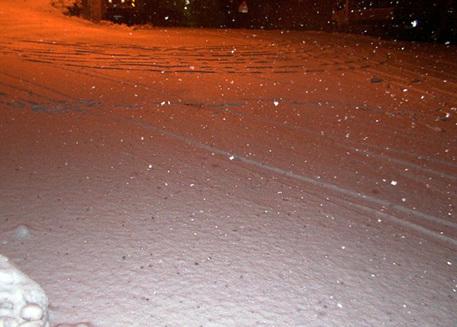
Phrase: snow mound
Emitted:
{"points": [[23, 302], [22, 232]]}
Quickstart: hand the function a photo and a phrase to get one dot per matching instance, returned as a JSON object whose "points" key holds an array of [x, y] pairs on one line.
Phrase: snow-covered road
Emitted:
{"points": [[225, 177]]}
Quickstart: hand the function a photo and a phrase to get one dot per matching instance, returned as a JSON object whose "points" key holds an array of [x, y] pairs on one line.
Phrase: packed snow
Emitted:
{"points": [[23, 302], [198, 177]]}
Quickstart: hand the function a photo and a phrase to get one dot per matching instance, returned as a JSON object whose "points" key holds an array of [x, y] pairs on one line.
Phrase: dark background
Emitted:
{"points": [[425, 20]]}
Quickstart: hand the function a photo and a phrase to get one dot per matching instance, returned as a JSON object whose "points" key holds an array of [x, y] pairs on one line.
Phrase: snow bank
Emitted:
{"points": [[23, 302]]}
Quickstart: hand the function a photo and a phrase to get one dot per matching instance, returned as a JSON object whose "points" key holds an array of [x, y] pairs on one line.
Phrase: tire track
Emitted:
{"points": [[369, 203], [347, 145], [220, 59]]}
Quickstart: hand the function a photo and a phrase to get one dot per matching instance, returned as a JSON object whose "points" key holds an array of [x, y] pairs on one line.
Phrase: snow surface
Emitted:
{"points": [[181, 177]]}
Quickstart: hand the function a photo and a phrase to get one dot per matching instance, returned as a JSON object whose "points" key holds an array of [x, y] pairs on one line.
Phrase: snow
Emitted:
{"points": [[22, 232], [23, 302], [157, 177]]}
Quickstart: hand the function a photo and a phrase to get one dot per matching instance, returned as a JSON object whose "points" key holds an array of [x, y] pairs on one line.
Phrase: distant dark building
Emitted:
{"points": [[93, 9]]}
